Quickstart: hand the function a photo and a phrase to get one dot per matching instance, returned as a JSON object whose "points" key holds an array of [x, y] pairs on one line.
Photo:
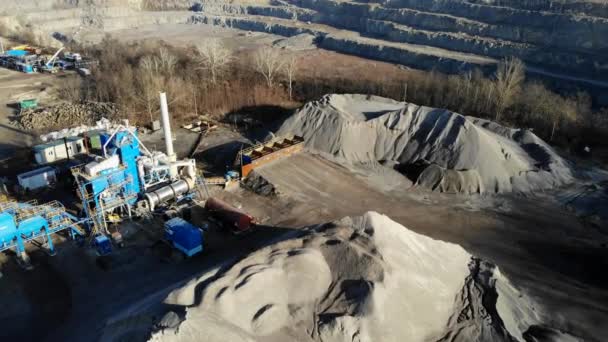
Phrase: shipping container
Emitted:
{"points": [[29, 103], [36, 179], [94, 139], [59, 150]]}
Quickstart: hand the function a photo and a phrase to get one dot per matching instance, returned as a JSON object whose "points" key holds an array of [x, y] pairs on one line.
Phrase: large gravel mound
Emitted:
{"points": [[362, 279], [438, 149]]}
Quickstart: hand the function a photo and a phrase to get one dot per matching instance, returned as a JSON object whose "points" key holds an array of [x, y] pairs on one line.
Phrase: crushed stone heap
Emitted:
{"points": [[357, 279], [436, 148]]}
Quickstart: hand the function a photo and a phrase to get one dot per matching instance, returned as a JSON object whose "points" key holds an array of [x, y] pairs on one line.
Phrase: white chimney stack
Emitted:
{"points": [[164, 113]]}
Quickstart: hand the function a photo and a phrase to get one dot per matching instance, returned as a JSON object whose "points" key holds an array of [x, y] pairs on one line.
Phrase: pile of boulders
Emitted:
{"points": [[65, 115], [260, 185]]}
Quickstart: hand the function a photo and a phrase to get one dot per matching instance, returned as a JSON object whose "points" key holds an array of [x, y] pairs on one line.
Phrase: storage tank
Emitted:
{"points": [[32, 226], [236, 219], [8, 230]]}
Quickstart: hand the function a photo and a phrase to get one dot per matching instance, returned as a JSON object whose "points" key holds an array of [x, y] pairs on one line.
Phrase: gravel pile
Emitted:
{"points": [[437, 149], [65, 115], [360, 279]]}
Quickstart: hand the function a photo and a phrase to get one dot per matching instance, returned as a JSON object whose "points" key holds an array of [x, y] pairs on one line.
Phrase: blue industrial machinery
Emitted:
{"points": [[112, 183], [102, 245], [24, 222], [184, 236], [129, 180], [126, 180]]}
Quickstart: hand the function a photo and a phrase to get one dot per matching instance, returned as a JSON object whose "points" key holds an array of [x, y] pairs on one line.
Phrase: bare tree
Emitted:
{"points": [[149, 65], [290, 69], [267, 61], [166, 60], [150, 82], [507, 85], [213, 58]]}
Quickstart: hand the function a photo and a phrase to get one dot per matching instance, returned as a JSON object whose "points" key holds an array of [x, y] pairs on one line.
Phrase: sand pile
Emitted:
{"points": [[436, 148], [361, 279], [65, 115]]}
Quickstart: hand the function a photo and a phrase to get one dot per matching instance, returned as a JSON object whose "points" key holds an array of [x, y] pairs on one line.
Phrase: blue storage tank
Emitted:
{"points": [[184, 236], [33, 226], [8, 230]]}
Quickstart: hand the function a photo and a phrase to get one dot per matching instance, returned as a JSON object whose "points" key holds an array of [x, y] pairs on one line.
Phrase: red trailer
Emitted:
{"points": [[235, 219]]}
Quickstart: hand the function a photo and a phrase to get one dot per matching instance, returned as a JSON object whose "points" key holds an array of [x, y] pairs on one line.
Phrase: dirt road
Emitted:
{"points": [[16, 86], [563, 272]]}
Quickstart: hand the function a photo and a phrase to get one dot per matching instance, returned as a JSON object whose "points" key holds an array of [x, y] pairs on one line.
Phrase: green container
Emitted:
{"points": [[95, 141], [26, 104]]}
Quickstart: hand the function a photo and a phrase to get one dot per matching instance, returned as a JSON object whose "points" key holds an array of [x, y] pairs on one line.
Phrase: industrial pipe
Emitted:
{"points": [[164, 113]]}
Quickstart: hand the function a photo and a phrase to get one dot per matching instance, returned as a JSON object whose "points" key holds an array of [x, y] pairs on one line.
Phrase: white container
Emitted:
{"points": [[76, 146], [44, 154], [38, 178], [94, 168], [58, 150]]}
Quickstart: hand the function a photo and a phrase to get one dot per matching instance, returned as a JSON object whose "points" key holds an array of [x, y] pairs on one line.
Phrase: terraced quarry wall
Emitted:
{"points": [[563, 40], [448, 35]]}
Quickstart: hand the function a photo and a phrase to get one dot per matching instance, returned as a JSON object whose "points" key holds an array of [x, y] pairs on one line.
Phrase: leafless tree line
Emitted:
{"points": [[212, 79]]}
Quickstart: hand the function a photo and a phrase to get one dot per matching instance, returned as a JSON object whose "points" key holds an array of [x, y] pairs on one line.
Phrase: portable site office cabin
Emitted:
{"points": [[38, 178], [59, 150]]}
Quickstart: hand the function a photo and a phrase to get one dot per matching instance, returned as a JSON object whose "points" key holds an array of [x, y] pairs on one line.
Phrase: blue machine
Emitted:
{"points": [[102, 244], [117, 187], [184, 236], [26, 68], [23, 222], [126, 146]]}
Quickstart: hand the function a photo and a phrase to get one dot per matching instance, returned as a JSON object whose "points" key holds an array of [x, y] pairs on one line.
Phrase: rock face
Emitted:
{"points": [[358, 279], [436, 148], [562, 37], [558, 39]]}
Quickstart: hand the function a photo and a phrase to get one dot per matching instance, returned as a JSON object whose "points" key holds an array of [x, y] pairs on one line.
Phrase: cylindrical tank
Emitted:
{"points": [[8, 230], [236, 219], [32, 226], [167, 193]]}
